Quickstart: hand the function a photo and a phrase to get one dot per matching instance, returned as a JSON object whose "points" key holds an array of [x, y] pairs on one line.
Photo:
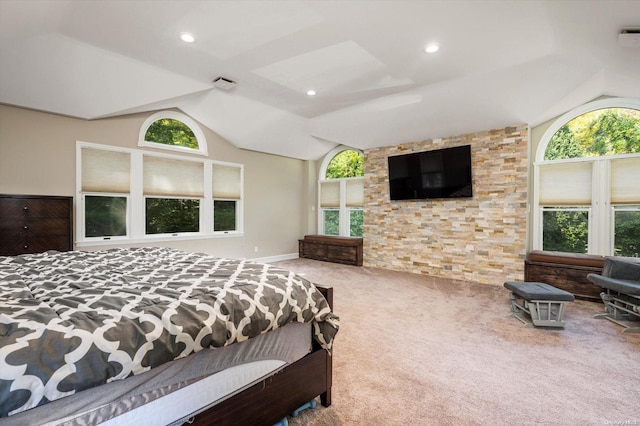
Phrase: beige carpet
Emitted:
{"points": [[415, 350]]}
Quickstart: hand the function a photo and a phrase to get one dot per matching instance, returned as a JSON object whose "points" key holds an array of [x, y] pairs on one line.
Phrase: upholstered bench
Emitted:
{"points": [[621, 280], [543, 302]]}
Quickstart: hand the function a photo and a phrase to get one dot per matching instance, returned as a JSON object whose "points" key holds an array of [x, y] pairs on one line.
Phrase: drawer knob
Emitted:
{"points": [[26, 227], [25, 208], [26, 246]]}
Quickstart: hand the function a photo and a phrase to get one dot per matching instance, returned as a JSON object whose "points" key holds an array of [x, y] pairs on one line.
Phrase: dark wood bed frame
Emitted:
{"points": [[277, 396]]}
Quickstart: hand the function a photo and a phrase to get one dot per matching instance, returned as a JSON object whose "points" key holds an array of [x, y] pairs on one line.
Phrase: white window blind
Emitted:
{"points": [[105, 170], [355, 192], [227, 182], [171, 177], [625, 181], [330, 194], [565, 183]]}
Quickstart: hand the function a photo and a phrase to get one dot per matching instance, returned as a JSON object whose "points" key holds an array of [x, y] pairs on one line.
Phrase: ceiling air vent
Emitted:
{"points": [[629, 37], [224, 83]]}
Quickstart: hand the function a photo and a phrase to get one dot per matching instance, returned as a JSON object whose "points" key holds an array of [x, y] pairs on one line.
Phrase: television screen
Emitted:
{"points": [[442, 173]]}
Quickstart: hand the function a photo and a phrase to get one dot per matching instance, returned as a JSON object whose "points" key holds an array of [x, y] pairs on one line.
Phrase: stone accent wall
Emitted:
{"points": [[479, 239]]}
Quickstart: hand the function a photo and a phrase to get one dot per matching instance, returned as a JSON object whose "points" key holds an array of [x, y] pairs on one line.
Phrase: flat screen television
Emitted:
{"points": [[442, 173]]}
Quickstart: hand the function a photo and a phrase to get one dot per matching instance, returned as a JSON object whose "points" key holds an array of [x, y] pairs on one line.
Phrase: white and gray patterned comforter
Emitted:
{"points": [[74, 320]]}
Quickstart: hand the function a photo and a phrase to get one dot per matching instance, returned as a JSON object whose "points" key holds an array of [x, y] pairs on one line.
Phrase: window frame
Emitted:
{"points": [[136, 204], [349, 211], [176, 233], [238, 218], [239, 201], [600, 228], [567, 208], [344, 216], [619, 208], [186, 120], [81, 228], [322, 221]]}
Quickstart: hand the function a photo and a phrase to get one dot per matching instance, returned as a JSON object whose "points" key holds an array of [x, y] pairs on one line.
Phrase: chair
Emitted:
{"points": [[621, 281]]}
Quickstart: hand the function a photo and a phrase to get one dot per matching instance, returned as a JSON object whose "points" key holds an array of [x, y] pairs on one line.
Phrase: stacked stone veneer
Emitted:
{"points": [[479, 239]]}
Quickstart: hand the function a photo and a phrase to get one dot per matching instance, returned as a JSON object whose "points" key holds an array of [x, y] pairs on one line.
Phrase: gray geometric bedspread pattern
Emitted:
{"points": [[74, 320]]}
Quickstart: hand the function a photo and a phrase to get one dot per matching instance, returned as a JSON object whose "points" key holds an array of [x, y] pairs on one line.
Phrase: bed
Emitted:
{"points": [[161, 336]]}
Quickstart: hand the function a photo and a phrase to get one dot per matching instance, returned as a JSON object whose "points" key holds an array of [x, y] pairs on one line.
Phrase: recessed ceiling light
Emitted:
{"points": [[187, 37], [432, 48], [311, 92]]}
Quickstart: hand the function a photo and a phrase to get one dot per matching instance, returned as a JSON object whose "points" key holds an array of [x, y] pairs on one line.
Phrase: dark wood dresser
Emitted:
{"points": [[34, 224]]}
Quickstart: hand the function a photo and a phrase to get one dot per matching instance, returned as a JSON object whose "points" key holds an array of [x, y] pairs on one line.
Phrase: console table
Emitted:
{"points": [[329, 248]]}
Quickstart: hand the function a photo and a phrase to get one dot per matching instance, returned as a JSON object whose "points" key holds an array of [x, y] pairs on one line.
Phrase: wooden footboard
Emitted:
{"points": [[275, 397]]}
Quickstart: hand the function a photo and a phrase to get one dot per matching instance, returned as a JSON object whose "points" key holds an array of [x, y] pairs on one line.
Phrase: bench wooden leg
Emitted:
{"points": [[542, 313], [620, 307]]}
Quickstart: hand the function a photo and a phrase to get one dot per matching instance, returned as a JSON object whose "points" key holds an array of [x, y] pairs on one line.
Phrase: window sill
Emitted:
{"points": [[116, 240]]}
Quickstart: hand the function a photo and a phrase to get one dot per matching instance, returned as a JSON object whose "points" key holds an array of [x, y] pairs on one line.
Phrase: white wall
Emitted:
{"points": [[37, 156]]}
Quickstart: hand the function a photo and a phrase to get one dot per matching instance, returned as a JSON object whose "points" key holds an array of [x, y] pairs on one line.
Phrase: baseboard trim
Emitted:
{"points": [[278, 258]]}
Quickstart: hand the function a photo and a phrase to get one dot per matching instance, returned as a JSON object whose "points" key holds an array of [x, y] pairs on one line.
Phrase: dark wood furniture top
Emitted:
{"points": [[329, 248], [567, 271], [34, 224]]}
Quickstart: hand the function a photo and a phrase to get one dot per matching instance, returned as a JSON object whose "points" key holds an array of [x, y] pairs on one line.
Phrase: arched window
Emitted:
{"points": [[341, 193], [173, 131], [587, 169], [141, 195]]}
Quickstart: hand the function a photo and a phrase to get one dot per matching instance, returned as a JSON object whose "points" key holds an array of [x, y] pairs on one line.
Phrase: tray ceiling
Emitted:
{"points": [[500, 63]]}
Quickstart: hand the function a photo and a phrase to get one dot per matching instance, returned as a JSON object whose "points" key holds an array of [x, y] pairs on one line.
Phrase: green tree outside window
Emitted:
{"points": [[105, 216], [609, 131], [331, 222], [224, 215], [168, 131], [171, 215], [346, 164]]}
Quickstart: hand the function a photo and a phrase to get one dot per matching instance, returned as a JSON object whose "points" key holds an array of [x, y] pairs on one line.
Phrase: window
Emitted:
{"points": [[133, 195], [565, 229], [171, 215], [586, 196], [105, 216], [172, 189], [626, 231], [104, 192], [173, 131], [225, 215], [331, 221], [341, 193], [227, 193]]}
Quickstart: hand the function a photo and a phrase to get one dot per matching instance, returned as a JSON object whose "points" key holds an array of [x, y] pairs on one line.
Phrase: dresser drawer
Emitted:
{"points": [[34, 207], [11, 247], [32, 227]]}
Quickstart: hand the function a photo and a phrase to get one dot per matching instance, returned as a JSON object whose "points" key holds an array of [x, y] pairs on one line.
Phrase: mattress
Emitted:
{"points": [[176, 390]]}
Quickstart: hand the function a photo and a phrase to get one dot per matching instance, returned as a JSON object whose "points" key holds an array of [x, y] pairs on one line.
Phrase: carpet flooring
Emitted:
{"points": [[418, 350]]}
